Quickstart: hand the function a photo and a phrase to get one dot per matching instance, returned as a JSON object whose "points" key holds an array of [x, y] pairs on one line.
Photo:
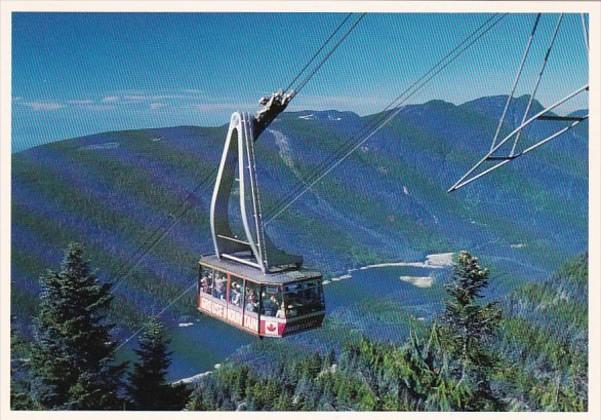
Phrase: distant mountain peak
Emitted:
{"points": [[324, 115]]}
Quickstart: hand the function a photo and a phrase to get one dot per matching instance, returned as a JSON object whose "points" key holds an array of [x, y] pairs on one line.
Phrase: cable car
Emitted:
{"points": [[272, 305], [248, 282]]}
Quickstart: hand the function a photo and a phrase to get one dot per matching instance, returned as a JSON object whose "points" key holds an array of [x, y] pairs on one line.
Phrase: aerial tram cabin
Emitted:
{"points": [[248, 282], [271, 305]]}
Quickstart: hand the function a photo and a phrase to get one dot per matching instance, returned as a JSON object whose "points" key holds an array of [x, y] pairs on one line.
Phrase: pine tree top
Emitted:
{"points": [[72, 355]]}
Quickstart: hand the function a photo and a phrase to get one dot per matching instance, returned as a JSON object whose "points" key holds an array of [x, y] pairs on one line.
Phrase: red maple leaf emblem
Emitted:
{"points": [[271, 327]]}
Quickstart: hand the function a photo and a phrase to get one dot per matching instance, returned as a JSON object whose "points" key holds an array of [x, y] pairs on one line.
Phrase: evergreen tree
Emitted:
{"points": [[469, 329], [72, 365], [312, 365], [196, 403], [329, 360], [148, 388], [19, 373], [283, 402]]}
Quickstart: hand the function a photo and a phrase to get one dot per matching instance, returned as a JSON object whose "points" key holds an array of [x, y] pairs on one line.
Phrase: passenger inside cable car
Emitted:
{"points": [[281, 313], [261, 308], [206, 281], [250, 298], [220, 285], [271, 300], [236, 292]]}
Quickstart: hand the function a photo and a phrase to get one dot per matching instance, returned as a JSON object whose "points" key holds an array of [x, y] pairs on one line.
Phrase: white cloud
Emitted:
{"points": [[224, 106], [135, 98], [148, 98], [44, 106], [110, 99], [80, 102], [139, 96], [99, 107], [127, 92]]}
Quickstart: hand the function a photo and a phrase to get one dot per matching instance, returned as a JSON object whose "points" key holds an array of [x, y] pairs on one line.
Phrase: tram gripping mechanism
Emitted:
{"points": [[252, 247]]}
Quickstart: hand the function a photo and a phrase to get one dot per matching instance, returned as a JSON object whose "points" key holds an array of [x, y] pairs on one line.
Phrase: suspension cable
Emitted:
{"points": [[318, 51], [343, 148], [126, 269], [380, 124], [537, 83], [158, 314], [306, 80], [145, 249], [515, 81], [584, 33], [211, 176]]}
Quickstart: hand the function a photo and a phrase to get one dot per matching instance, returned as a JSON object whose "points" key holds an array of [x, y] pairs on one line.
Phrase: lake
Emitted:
{"points": [[374, 301]]}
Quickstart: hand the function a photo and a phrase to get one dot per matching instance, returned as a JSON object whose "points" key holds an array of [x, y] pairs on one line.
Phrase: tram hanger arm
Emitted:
{"points": [[272, 107]]}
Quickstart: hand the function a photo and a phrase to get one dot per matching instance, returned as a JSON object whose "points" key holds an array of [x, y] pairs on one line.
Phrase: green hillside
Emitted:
{"points": [[541, 352]]}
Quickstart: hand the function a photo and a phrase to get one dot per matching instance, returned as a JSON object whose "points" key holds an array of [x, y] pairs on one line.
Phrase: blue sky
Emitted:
{"points": [[82, 73]]}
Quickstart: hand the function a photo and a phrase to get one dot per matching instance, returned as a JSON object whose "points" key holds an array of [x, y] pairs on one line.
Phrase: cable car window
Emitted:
{"points": [[251, 297], [219, 285], [271, 297], [303, 298], [206, 279], [236, 285]]}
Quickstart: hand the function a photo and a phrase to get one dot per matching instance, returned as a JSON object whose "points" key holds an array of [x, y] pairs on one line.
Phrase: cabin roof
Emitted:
{"points": [[255, 274]]}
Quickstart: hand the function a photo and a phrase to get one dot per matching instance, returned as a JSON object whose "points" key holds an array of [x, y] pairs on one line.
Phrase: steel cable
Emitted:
{"points": [[389, 108], [381, 122], [211, 176]]}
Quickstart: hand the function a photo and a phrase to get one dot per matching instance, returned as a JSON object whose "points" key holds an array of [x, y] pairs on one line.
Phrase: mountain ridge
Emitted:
{"points": [[387, 202], [497, 100]]}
